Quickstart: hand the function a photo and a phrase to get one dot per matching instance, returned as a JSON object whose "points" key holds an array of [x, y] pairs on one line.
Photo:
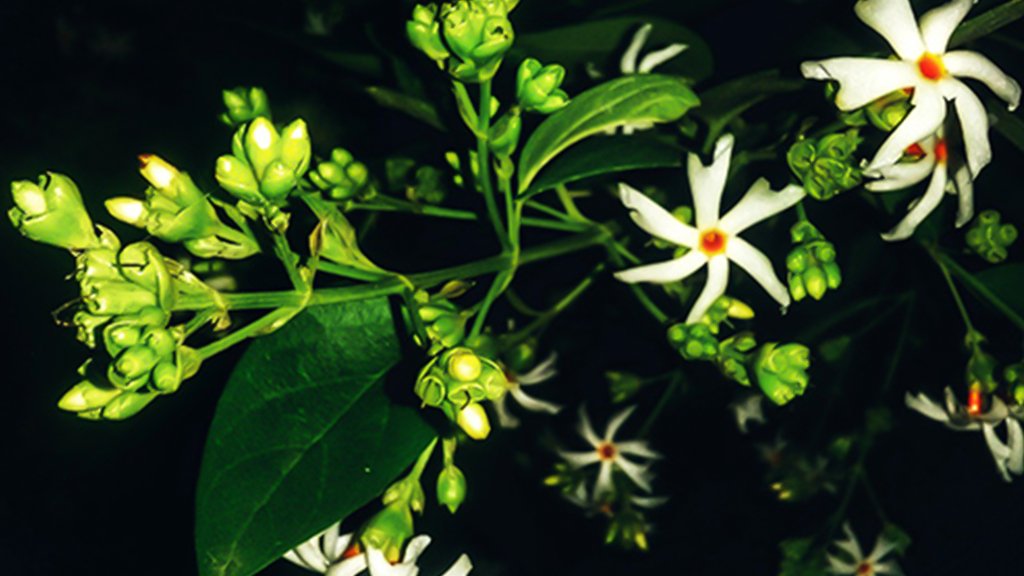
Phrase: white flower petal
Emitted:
{"points": [[586, 430], [708, 182], [616, 422], [654, 59], [923, 120], [461, 567], [505, 418], [850, 545], [334, 545], [882, 547], [655, 220], [294, 558], [903, 174], [894, 20], [604, 481], [925, 405], [637, 448], [628, 63], [637, 473], [311, 555], [648, 502], [759, 267], [534, 404], [938, 24], [541, 372], [923, 208], [665, 272], [965, 196], [348, 567], [888, 568], [379, 565], [579, 459], [1000, 452], [862, 80], [415, 548], [963, 63], [758, 204], [973, 123], [1015, 437], [837, 566], [718, 279]]}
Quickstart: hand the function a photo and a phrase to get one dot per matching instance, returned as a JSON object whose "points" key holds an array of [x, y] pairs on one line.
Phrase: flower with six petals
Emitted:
{"points": [[611, 454], [860, 565]]}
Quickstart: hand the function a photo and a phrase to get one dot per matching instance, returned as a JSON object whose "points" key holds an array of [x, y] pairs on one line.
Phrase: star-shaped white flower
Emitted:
{"points": [[334, 554], [715, 240], [611, 454], [747, 410], [925, 66], [1008, 455], [854, 561], [930, 156], [538, 374]]}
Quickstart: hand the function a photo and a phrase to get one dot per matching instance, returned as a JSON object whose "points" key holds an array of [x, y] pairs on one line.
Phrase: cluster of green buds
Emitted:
{"points": [[444, 322], [538, 88], [176, 210], [623, 386], [342, 177], [469, 37], [457, 381], [147, 359], [989, 237], [700, 341], [811, 263], [627, 528], [1014, 376], [828, 166], [451, 482], [781, 371], [264, 165], [51, 211], [244, 104], [419, 184]]}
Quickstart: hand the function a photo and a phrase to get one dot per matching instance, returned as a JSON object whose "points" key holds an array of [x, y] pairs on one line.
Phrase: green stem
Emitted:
{"points": [[421, 462], [284, 253], [979, 289], [801, 212], [246, 332], [397, 205], [547, 316], [483, 156], [952, 289], [677, 381], [616, 256], [569, 204]]}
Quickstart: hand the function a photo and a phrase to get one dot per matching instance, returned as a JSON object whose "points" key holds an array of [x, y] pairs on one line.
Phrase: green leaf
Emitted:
{"points": [[606, 156], [987, 23], [723, 103], [1009, 125], [419, 109], [650, 98], [1000, 286], [590, 43], [303, 436]]}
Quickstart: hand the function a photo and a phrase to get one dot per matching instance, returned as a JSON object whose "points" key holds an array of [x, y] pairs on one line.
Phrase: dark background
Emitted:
{"points": [[85, 86]]}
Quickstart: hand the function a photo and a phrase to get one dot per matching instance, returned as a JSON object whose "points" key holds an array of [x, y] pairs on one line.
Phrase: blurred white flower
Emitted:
{"points": [[334, 554], [1008, 455], [537, 375], [611, 454], [632, 63], [924, 65], [930, 156], [747, 410], [715, 240], [853, 560]]}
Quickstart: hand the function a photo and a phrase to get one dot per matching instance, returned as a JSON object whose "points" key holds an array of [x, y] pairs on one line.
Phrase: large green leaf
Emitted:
{"points": [[593, 43], [650, 98], [606, 156], [1003, 288], [988, 22], [303, 435]]}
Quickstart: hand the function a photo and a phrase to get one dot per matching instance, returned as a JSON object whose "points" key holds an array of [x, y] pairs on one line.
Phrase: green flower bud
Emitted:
{"points": [[388, 530], [235, 176], [478, 34], [277, 181], [781, 371], [693, 341], [451, 488], [474, 422], [504, 134], [538, 87], [135, 362], [244, 105], [989, 238], [623, 385], [52, 212], [342, 177], [811, 263], [128, 404], [424, 32], [273, 162], [464, 365], [828, 166], [887, 112], [86, 396], [166, 377]]}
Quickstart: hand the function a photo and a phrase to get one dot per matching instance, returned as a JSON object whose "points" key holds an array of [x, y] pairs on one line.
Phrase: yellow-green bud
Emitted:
{"points": [[451, 488], [52, 212], [474, 422]]}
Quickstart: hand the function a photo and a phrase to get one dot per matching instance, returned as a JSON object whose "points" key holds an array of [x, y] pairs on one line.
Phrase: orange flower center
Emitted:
{"points": [[975, 400], [941, 151], [713, 242], [351, 551], [606, 451], [915, 150], [865, 569], [931, 67]]}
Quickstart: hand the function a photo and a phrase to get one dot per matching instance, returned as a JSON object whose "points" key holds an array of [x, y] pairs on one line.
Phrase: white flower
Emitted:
{"points": [[1008, 456], [930, 156], [611, 454], [925, 66], [749, 409], [632, 63], [714, 241], [538, 374], [334, 554], [857, 563]]}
